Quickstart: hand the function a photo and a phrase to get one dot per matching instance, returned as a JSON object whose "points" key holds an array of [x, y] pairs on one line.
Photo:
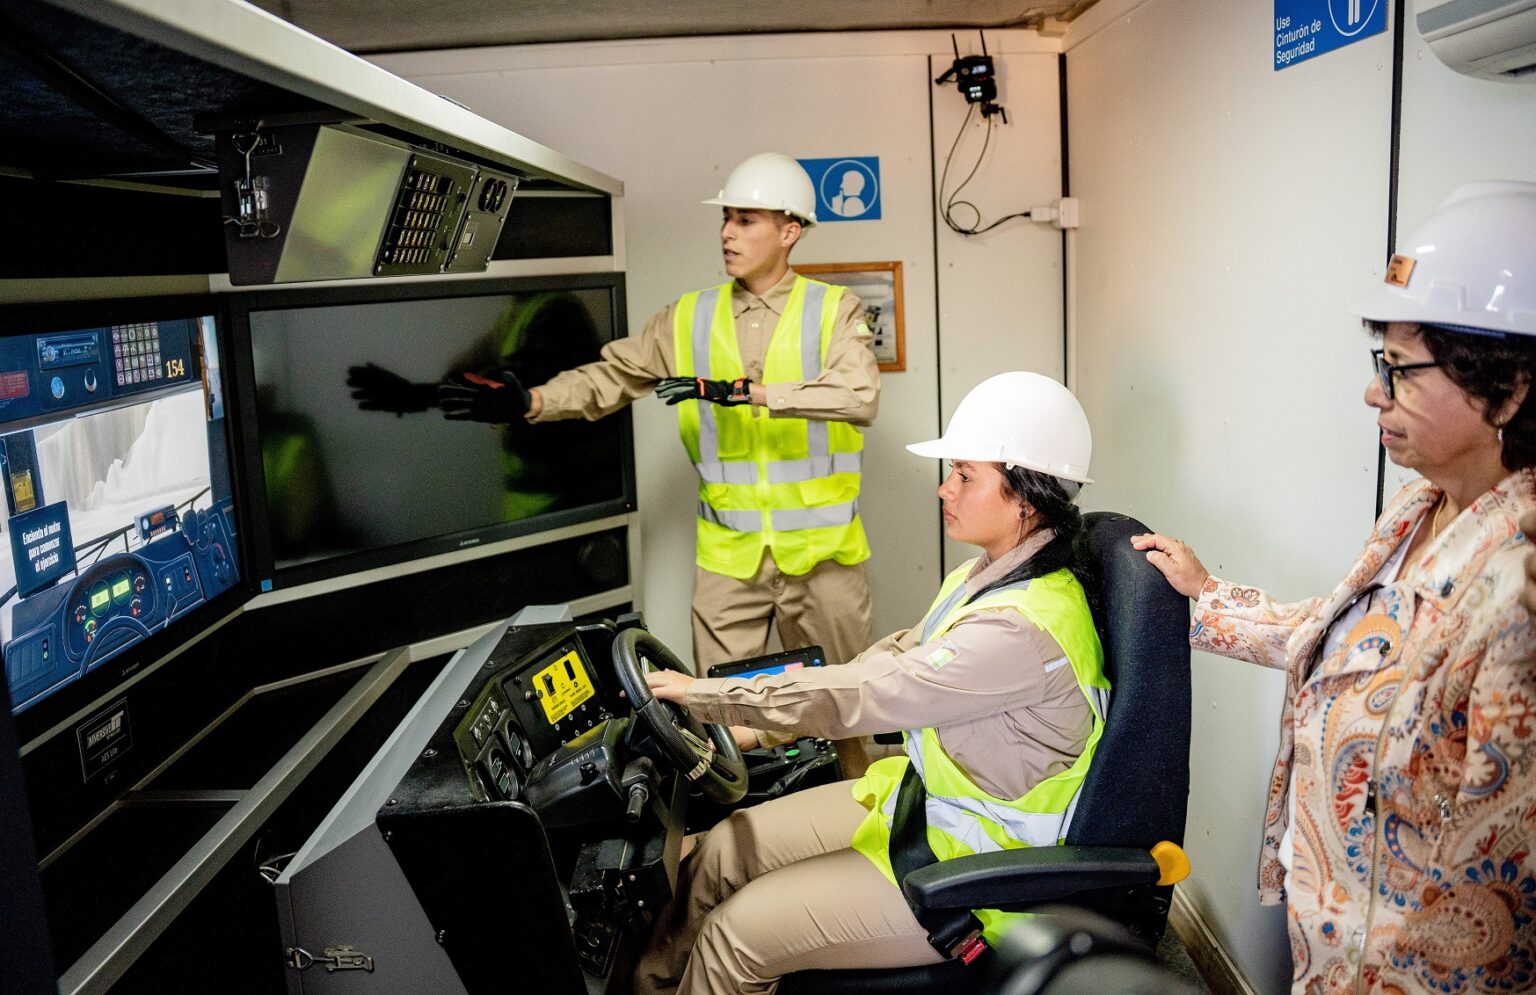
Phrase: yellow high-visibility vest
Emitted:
{"points": [[962, 818], [790, 485]]}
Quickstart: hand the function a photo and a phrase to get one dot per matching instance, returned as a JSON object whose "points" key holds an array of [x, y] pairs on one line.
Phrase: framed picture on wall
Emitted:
{"points": [[879, 287]]}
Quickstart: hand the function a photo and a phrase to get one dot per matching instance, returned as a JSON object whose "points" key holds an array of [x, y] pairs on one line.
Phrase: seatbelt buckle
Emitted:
{"points": [[973, 945]]}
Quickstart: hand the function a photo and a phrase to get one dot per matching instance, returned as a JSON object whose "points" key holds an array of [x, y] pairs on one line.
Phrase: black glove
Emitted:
{"points": [[495, 397], [376, 389], [675, 390]]}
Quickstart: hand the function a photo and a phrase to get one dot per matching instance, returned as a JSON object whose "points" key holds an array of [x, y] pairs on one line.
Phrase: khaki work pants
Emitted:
{"points": [[775, 889], [828, 607]]}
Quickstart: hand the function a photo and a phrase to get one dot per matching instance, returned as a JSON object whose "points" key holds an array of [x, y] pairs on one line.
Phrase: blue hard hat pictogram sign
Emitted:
{"points": [[847, 188]]}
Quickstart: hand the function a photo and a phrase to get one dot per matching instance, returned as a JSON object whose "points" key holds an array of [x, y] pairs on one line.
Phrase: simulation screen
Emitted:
{"points": [[119, 517], [350, 474]]}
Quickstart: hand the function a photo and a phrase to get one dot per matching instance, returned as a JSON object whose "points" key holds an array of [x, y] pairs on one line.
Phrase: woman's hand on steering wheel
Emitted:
{"points": [[669, 685], [705, 754]]}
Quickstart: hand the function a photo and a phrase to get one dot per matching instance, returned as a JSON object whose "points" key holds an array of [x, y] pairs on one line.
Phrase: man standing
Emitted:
{"points": [[780, 374]]}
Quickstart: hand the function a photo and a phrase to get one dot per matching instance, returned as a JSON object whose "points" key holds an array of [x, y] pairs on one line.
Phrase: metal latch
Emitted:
{"points": [[338, 958]]}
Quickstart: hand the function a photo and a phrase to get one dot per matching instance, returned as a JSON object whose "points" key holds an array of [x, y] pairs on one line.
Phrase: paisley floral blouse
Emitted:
{"points": [[1411, 750]]}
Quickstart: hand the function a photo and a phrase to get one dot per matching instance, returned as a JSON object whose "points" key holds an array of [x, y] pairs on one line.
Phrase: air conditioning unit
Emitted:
{"points": [[1489, 39]]}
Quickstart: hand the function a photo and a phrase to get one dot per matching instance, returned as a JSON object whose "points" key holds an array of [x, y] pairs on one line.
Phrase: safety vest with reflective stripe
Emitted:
{"points": [[790, 485], [963, 818]]}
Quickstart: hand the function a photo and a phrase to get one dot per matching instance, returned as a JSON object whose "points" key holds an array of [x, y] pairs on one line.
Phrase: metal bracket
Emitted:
{"points": [[338, 958]]}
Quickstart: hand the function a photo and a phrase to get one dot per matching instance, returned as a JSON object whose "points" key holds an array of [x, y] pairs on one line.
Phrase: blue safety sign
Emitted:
{"points": [[1308, 28], [847, 189]]}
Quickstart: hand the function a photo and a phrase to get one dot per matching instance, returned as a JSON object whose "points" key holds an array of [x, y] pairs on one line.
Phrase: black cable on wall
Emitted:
{"points": [[1066, 191], [1399, 35], [938, 340]]}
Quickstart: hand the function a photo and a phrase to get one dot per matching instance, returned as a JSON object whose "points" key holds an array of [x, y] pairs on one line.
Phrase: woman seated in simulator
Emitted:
{"points": [[1402, 809], [1000, 689]]}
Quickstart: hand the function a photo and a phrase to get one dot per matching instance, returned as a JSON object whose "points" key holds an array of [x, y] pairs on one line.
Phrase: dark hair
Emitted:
{"points": [[1490, 368], [1053, 503]]}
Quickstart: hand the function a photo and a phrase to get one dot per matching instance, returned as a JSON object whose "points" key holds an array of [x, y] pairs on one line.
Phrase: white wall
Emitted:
{"points": [[1456, 128], [1010, 277], [1231, 213], [671, 117]]}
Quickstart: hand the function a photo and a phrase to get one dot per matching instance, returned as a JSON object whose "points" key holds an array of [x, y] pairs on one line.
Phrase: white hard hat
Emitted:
{"points": [[771, 181], [1020, 419], [1471, 266]]}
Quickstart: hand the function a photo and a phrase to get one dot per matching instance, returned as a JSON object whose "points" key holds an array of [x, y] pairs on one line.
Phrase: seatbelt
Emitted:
{"points": [[954, 933]]}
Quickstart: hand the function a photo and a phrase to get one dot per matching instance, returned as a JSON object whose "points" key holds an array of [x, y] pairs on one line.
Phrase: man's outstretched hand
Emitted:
{"points": [[376, 389], [496, 397], [675, 390]]}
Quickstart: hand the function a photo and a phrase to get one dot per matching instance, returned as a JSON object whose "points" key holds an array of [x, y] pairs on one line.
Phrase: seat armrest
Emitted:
{"points": [[1007, 878]]}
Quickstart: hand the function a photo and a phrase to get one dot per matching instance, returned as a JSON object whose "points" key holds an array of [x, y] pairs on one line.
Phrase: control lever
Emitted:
{"points": [[638, 782]]}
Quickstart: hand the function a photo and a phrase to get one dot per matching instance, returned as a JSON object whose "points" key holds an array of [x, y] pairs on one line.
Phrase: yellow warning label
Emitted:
{"points": [[21, 489], [563, 686]]}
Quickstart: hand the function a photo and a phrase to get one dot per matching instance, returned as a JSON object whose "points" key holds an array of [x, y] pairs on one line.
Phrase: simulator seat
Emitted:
{"points": [[1133, 798]]}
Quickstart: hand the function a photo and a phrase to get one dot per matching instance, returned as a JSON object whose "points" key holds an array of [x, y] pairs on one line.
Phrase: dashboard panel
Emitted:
{"points": [[121, 599], [526, 713]]}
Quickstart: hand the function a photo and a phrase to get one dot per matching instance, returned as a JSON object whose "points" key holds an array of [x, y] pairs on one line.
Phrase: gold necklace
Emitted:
{"points": [[1434, 524]]}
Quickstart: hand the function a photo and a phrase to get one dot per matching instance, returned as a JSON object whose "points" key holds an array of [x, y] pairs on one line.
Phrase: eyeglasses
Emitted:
{"points": [[1387, 372], [1364, 594]]}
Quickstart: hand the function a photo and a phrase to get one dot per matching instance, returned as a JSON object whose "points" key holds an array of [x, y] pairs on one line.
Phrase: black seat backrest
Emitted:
{"points": [[1137, 790]]}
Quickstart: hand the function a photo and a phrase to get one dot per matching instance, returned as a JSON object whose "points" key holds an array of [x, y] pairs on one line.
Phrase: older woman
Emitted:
{"points": [[1402, 810], [1000, 687]]}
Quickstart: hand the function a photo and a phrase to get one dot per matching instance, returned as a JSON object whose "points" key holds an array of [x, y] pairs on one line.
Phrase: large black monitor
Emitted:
{"points": [[348, 483], [119, 509]]}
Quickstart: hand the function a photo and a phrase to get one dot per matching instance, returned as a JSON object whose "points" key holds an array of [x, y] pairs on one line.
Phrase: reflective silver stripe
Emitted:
{"points": [[941, 611], [818, 439], [818, 433], [931, 622], [734, 472], [1101, 702], [703, 321], [736, 521], [796, 471], [830, 516], [810, 329], [958, 816], [1034, 828]]}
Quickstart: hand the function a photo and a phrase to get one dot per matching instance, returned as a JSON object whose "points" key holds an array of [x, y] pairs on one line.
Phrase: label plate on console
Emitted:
{"points": [[563, 686], [104, 738]]}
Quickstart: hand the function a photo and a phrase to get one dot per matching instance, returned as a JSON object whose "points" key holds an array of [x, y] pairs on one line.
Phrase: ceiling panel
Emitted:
{"points": [[408, 25]]}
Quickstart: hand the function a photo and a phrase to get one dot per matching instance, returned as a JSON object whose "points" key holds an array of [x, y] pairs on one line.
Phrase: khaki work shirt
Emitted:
{"points": [[1006, 703], [847, 389]]}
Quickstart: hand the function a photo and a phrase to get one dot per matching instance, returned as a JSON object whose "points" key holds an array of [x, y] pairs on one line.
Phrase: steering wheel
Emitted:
{"points": [[705, 754]]}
